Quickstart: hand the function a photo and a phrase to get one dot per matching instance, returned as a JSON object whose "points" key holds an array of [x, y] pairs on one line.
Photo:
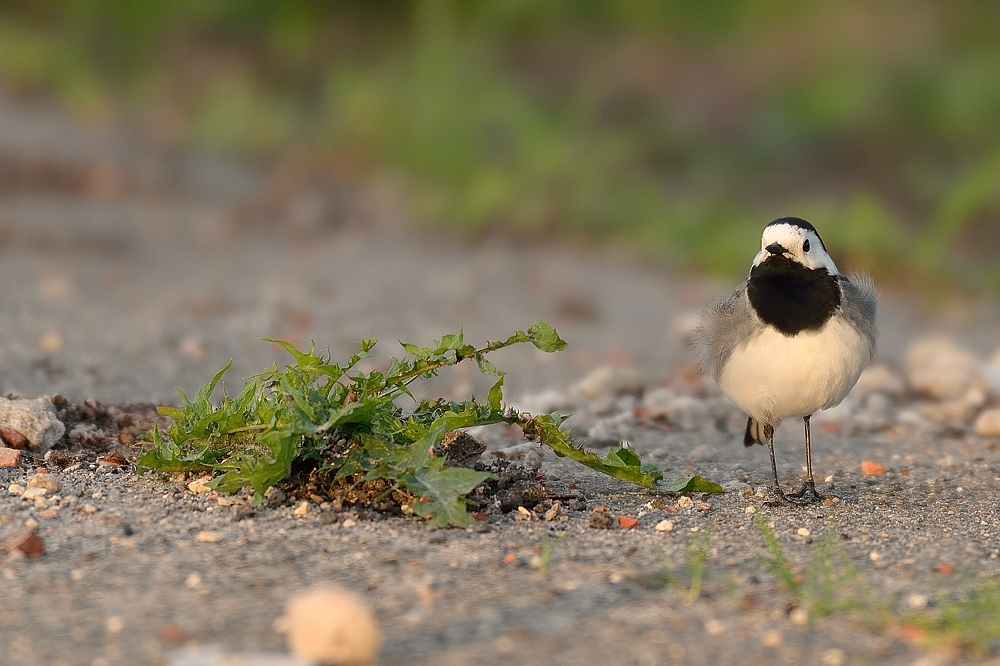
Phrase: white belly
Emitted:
{"points": [[774, 376]]}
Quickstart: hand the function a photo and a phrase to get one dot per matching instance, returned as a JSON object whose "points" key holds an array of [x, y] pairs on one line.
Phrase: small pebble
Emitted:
{"points": [[988, 423], [199, 486], [350, 522], [685, 502], [664, 526], [331, 626], [16, 489], [714, 627], [833, 657], [302, 509], [210, 537], [799, 616], [771, 639], [10, 457], [804, 531]]}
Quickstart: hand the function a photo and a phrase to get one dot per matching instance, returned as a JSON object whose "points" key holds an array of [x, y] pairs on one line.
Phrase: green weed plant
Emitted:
{"points": [[347, 423]]}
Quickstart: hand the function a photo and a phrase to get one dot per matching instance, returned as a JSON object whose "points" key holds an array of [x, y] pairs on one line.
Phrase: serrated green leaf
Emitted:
{"points": [[690, 484], [544, 336], [442, 488], [495, 396], [414, 350]]}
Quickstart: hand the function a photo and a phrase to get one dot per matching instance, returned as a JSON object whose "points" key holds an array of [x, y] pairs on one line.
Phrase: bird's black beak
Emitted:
{"points": [[776, 248]]}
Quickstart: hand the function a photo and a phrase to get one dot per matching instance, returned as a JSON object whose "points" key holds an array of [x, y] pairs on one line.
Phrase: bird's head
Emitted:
{"points": [[789, 239]]}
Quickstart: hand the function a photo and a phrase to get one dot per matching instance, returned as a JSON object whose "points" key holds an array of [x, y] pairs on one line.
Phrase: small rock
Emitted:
{"points": [[608, 381], [554, 512], [331, 626], [274, 495], [199, 486], [618, 428], [664, 526], [836, 657], [879, 378], [627, 522], [10, 457], [601, 521], [685, 502], [804, 531], [46, 481], [544, 403], [13, 438], [799, 616], [939, 368], [656, 404], [35, 420], [869, 468], [988, 423], [302, 509], [771, 639], [27, 542], [34, 492], [349, 522], [210, 537], [16, 489], [688, 413], [876, 414]]}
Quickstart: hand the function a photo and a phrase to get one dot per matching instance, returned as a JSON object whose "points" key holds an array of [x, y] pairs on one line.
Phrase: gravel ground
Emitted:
{"points": [[127, 271]]}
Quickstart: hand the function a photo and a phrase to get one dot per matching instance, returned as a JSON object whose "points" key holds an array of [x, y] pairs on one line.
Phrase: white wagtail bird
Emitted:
{"points": [[792, 340]]}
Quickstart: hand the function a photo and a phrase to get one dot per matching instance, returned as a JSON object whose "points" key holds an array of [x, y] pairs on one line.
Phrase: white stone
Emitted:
{"points": [[35, 419], [615, 429], [16, 489], [688, 413], [940, 369], [656, 403], [607, 381], [47, 481], [988, 423], [34, 492], [331, 626], [545, 402], [664, 526], [879, 378]]}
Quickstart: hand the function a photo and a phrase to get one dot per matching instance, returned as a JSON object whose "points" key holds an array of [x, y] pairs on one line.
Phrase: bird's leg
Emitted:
{"points": [[808, 489], [769, 436]]}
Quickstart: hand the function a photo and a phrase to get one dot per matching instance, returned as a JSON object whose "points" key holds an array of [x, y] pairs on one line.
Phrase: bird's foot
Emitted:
{"points": [[782, 499], [807, 494]]}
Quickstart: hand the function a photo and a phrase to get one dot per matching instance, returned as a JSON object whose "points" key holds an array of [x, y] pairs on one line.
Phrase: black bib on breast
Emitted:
{"points": [[791, 297]]}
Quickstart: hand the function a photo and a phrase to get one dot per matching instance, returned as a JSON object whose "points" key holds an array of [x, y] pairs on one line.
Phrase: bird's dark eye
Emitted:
{"points": [[805, 246]]}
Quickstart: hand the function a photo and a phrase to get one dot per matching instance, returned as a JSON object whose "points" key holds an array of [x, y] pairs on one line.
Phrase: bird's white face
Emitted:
{"points": [[799, 245]]}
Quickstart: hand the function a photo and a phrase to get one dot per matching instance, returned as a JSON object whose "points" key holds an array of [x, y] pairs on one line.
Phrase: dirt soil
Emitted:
{"points": [[127, 271]]}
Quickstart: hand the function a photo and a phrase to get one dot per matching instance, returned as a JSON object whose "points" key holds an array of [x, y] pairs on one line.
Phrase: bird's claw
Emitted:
{"points": [[807, 494]]}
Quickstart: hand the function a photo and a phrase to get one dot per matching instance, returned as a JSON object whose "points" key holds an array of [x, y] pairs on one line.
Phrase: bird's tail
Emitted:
{"points": [[754, 433]]}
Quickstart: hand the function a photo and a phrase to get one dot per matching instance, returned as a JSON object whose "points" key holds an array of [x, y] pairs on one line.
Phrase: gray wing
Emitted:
{"points": [[725, 325], [859, 306]]}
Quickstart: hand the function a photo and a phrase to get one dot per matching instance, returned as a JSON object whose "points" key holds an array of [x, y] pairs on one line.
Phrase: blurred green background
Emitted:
{"points": [[675, 128]]}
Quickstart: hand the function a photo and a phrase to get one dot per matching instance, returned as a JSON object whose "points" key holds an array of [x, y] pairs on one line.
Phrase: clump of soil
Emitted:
{"points": [[112, 434]]}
